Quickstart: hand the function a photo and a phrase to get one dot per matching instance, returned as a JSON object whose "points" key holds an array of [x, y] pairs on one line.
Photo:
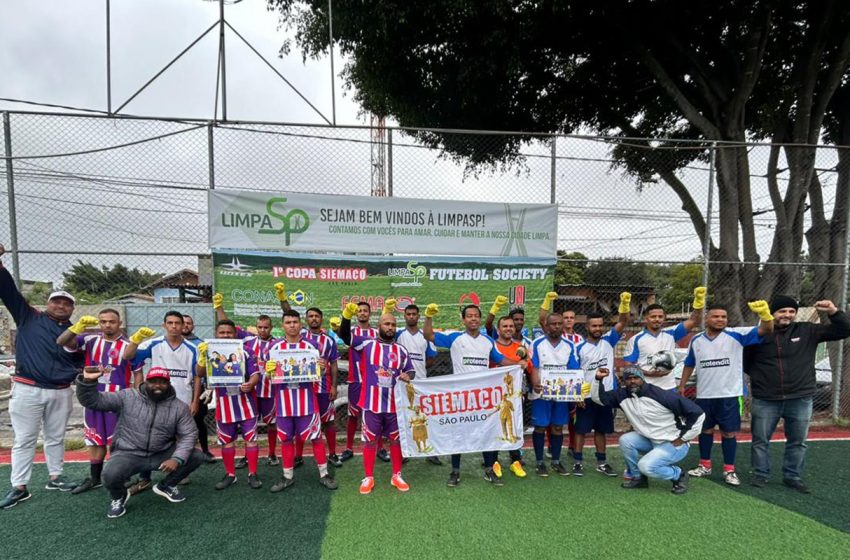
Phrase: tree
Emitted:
{"points": [[570, 268], [621, 272], [678, 293], [91, 284], [39, 293]]}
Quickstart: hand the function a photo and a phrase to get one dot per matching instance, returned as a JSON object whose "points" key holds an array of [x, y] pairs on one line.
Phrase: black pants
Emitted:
{"points": [[121, 466], [200, 422]]}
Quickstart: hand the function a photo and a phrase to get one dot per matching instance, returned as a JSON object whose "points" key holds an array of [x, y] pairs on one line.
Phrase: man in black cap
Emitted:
{"points": [[782, 374]]}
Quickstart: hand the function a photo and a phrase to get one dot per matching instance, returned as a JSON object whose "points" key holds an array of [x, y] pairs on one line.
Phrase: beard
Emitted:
{"points": [[157, 396], [633, 390]]}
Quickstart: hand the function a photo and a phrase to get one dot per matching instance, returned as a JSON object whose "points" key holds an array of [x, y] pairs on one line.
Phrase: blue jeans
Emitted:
{"points": [[797, 414], [659, 459]]}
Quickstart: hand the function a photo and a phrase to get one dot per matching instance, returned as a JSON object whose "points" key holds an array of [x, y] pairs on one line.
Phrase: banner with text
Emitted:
{"points": [[339, 224], [478, 411], [247, 279]]}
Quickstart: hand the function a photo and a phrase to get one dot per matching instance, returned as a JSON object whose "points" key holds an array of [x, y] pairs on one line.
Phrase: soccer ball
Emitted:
{"points": [[664, 360]]}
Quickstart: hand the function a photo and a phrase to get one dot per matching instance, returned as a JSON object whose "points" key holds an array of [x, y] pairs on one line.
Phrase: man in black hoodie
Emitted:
{"points": [[782, 373]]}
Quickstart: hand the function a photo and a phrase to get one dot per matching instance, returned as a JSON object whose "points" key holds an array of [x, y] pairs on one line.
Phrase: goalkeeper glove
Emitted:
{"points": [[141, 335], [547, 300], [497, 305], [625, 303], [202, 354], [699, 297], [83, 323], [762, 309], [335, 323], [389, 306], [218, 299], [350, 310], [432, 310], [280, 291]]}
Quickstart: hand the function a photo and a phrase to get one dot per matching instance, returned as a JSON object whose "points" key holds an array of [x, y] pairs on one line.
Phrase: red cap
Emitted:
{"points": [[158, 373]]}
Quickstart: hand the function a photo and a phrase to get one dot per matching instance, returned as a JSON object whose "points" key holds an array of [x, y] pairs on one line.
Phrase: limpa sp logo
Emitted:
{"points": [[275, 221], [412, 273]]}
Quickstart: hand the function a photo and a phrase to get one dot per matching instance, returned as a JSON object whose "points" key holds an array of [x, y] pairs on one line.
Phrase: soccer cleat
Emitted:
{"points": [[454, 479], [578, 469], [86, 485], [634, 483], [560, 469], [797, 485], [241, 463], [282, 484], [366, 485], [140, 486], [731, 478], [61, 483], [118, 507], [328, 482], [254, 482], [14, 496], [680, 485], [699, 471], [273, 461], [491, 477], [298, 462], [758, 481], [605, 469], [434, 460], [497, 469], [334, 460], [541, 470], [170, 493], [226, 482], [399, 483], [346, 455], [209, 457], [383, 455], [516, 468]]}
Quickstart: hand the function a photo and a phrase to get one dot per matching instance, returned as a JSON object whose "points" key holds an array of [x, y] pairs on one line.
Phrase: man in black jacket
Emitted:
{"points": [[782, 373]]}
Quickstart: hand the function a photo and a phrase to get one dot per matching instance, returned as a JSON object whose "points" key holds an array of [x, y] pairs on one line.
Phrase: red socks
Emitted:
{"points": [[299, 447], [350, 428], [252, 454], [395, 456], [370, 450], [228, 457], [272, 433], [330, 434], [287, 449], [319, 451]]}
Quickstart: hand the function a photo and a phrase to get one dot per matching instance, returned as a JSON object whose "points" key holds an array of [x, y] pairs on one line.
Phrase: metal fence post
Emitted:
{"points": [[211, 155], [706, 244], [390, 162], [838, 367], [554, 170], [10, 191]]}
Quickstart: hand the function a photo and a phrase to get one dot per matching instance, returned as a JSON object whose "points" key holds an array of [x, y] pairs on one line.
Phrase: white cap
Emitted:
{"points": [[62, 293]]}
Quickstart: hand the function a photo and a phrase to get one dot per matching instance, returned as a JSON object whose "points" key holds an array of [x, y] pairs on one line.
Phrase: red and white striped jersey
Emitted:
{"points": [[327, 351], [575, 338], [232, 405], [100, 351], [258, 348], [295, 399], [354, 373], [381, 364]]}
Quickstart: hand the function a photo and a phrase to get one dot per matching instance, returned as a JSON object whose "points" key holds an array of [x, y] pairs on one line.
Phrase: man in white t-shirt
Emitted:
{"points": [[716, 356]]}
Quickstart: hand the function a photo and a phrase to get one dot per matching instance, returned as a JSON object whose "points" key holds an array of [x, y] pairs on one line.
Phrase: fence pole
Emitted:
{"points": [[331, 43], [10, 191], [108, 61], [838, 368], [211, 155], [390, 162], [223, 57], [553, 171], [706, 243]]}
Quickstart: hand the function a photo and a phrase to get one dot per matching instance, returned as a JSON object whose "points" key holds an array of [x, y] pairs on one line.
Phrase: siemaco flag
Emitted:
{"points": [[477, 411]]}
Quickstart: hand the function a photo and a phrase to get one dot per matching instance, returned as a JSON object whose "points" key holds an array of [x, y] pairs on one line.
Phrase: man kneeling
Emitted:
{"points": [[155, 430], [663, 421]]}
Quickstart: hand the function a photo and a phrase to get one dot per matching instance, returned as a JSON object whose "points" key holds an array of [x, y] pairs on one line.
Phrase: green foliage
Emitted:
{"points": [[570, 268], [619, 271], [678, 291], [39, 293], [91, 284]]}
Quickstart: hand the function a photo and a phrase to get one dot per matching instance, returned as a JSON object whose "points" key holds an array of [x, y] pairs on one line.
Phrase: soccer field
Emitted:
{"points": [[588, 517]]}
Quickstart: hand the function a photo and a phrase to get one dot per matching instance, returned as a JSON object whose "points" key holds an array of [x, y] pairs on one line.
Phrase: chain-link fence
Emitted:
{"points": [[115, 209]]}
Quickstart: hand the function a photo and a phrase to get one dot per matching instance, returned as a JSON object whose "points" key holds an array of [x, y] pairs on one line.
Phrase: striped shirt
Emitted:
{"points": [[295, 399], [100, 351], [381, 364], [327, 351]]}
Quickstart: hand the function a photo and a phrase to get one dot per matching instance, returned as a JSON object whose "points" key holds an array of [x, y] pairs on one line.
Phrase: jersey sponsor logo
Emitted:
{"points": [[415, 356], [602, 362], [717, 362], [475, 361]]}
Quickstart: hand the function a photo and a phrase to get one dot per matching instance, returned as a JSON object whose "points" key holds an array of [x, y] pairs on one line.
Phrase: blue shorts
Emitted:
{"points": [[549, 413], [724, 413], [594, 417]]}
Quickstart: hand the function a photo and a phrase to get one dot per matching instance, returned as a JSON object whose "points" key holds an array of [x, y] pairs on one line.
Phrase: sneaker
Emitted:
{"points": [[491, 477], [366, 485], [171, 493], [627, 475], [399, 483], [541, 470], [797, 485], [298, 462], [241, 463], [578, 469], [346, 455], [282, 484], [226, 482], [758, 481], [699, 471], [383, 455], [209, 457], [140, 486], [680, 485], [118, 507], [497, 469], [516, 468], [254, 482], [273, 461], [560, 469], [334, 460], [548, 453], [454, 479], [731, 478], [633, 483], [605, 469], [434, 460], [328, 482], [14, 496], [61, 483], [86, 485]]}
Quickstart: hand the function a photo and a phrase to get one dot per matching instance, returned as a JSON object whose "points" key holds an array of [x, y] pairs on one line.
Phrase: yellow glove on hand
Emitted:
{"points": [[699, 297], [218, 299], [280, 291], [335, 323], [762, 309], [271, 367], [585, 390], [432, 310], [350, 310], [497, 305], [625, 303], [389, 306], [141, 335], [202, 354], [83, 323], [547, 300]]}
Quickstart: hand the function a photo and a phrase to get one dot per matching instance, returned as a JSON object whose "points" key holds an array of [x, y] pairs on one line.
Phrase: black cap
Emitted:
{"points": [[781, 302]]}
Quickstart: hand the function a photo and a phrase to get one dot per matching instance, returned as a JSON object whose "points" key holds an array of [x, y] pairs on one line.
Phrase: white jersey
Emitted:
{"points": [[600, 355], [180, 363], [719, 362], [417, 348], [545, 355], [644, 344], [469, 353]]}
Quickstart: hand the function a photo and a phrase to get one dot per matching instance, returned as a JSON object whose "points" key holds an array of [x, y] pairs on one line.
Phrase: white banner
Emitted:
{"points": [[478, 411], [327, 223]]}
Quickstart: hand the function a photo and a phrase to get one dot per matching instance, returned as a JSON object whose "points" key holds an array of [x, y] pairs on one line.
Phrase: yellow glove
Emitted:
{"points": [[389, 306], [547, 300], [202, 354], [218, 299], [625, 303], [271, 367], [762, 309], [432, 310], [350, 310], [585, 390], [699, 297], [83, 323], [497, 305], [141, 335], [335, 323], [280, 291]]}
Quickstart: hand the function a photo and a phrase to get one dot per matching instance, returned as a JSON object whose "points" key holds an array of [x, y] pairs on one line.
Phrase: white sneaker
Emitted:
{"points": [[700, 472], [731, 478]]}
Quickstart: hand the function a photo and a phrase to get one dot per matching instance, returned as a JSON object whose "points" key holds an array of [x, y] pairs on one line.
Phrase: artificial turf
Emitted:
{"points": [[569, 517]]}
